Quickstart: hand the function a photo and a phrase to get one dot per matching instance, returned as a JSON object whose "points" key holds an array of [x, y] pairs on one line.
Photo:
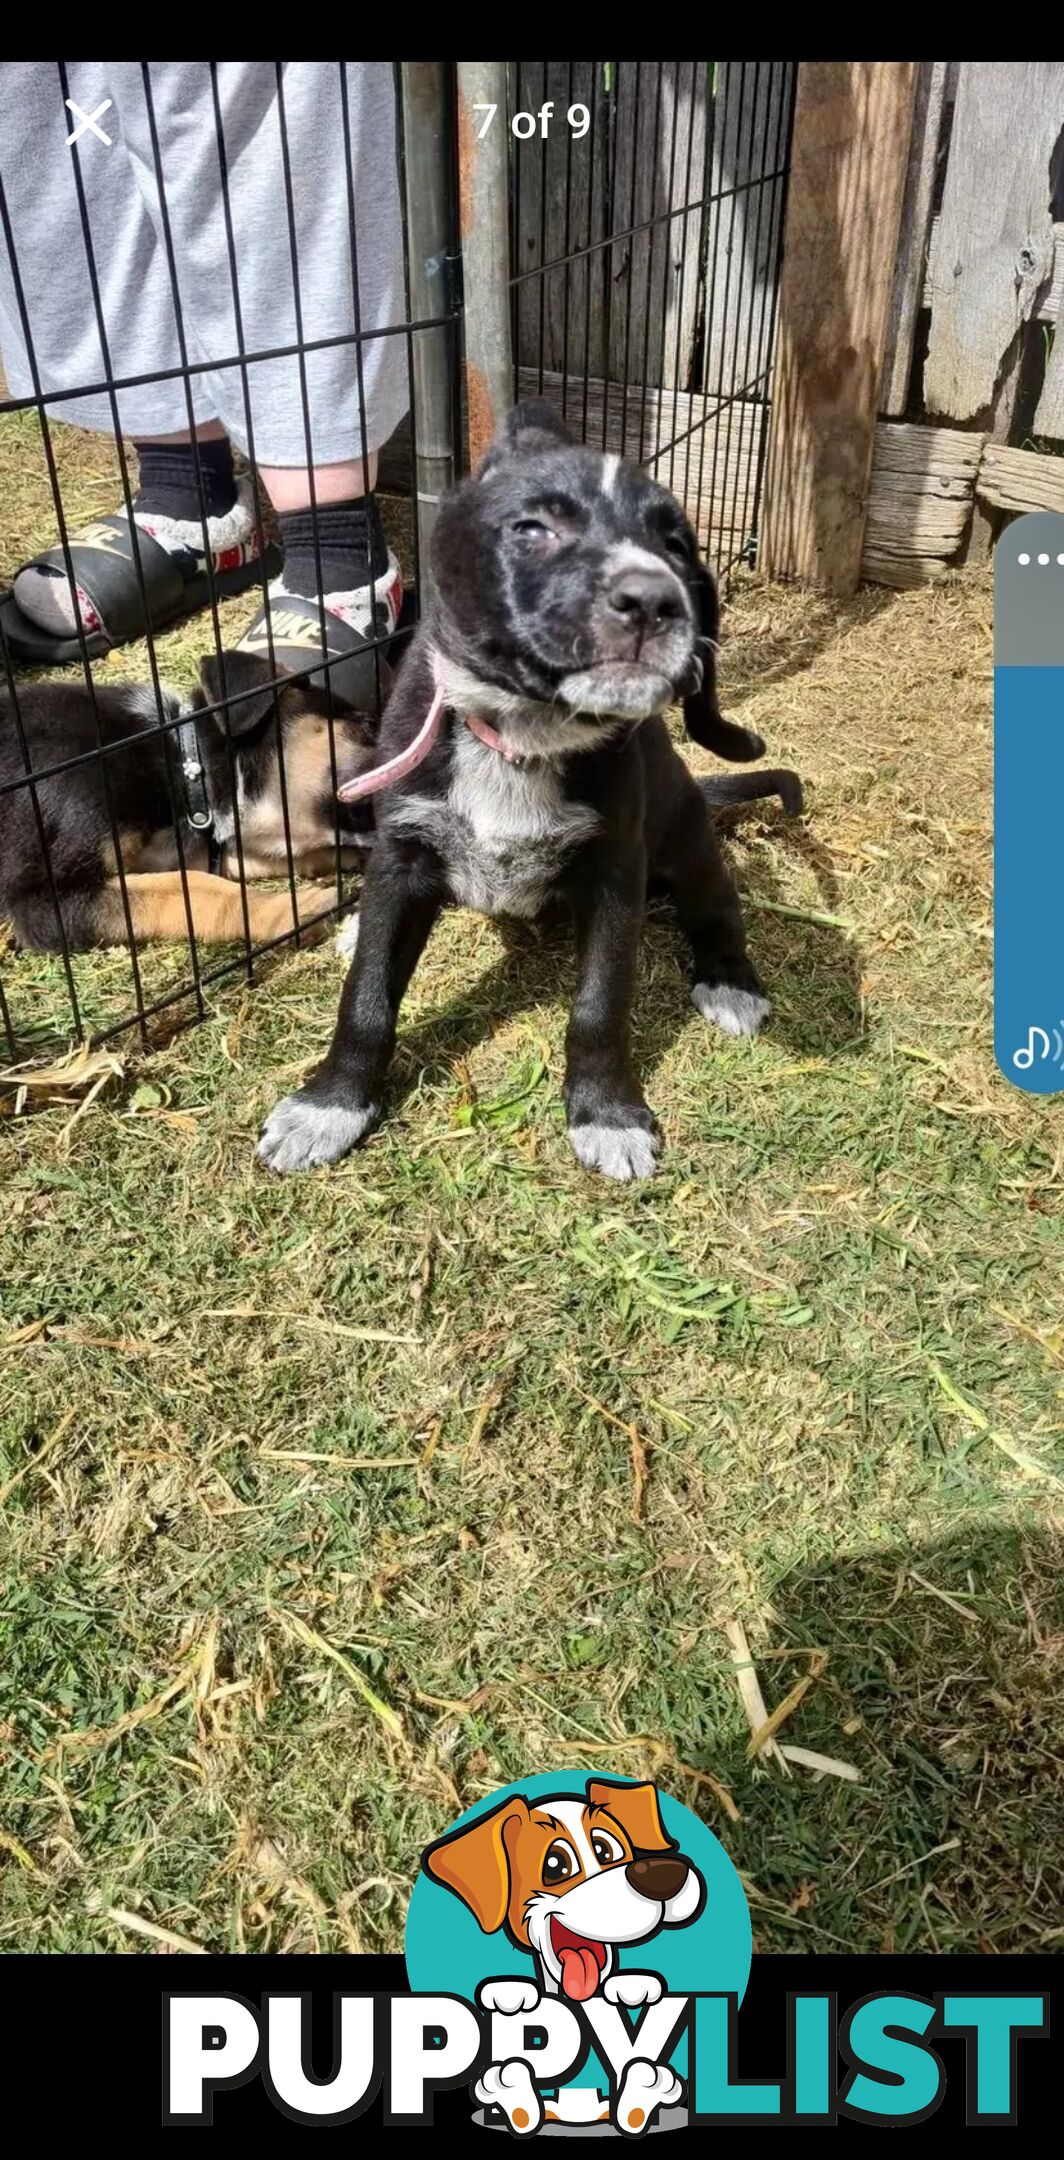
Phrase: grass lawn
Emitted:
{"points": [[328, 1505]]}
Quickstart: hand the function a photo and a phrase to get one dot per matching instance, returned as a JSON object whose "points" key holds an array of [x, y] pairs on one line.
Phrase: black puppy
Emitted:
{"points": [[154, 786], [569, 610]]}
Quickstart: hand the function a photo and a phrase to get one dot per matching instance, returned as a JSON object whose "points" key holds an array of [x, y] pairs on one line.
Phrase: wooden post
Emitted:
{"points": [[852, 124]]}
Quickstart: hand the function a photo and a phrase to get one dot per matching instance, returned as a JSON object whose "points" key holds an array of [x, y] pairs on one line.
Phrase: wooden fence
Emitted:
{"points": [[645, 254], [921, 379]]}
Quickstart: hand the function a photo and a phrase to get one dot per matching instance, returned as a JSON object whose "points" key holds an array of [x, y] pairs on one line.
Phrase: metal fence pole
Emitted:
{"points": [[485, 221], [430, 243]]}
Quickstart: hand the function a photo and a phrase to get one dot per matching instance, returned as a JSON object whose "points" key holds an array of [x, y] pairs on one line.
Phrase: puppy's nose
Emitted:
{"points": [[647, 600], [660, 1876]]}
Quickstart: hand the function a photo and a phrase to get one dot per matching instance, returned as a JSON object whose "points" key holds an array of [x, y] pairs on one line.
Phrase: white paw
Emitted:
{"points": [[633, 1988], [617, 1151], [300, 1133], [644, 2087], [346, 937], [735, 1012], [508, 1996], [509, 2086]]}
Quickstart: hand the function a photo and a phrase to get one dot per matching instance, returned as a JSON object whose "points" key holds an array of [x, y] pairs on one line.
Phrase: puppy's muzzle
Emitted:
{"points": [[646, 602], [659, 1876]]}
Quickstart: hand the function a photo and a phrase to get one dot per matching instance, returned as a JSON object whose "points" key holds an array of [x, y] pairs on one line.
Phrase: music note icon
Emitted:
{"points": [[1023, 1058]]}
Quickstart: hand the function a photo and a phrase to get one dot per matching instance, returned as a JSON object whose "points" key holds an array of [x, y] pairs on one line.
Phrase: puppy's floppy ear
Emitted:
{"points": [[703, 719], [226, 675], [475, 1862], [637, 1810], [528, 427]]}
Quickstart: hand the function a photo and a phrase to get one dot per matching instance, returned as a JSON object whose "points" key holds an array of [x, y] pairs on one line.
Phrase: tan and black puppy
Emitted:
{"points": [[247, 789]]}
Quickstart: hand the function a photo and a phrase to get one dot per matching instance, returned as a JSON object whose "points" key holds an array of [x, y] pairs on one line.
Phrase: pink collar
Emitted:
{"points": [[491, 736], [408, 760]]}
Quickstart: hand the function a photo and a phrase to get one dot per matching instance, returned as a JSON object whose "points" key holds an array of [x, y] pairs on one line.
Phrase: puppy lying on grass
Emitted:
{"points": [[523, 760], [145, 811]]}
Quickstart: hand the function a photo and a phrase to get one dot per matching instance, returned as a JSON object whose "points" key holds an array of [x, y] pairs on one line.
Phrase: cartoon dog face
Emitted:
{"points": [[571, 1878]]}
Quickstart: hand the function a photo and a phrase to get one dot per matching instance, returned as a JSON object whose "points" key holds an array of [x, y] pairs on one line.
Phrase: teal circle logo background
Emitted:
{"points": [[447, 1951]]}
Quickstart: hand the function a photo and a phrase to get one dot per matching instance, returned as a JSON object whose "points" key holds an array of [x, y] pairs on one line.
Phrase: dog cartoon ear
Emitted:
{"points": [[637, 1810], [528, 427], [475, 1863], [702, 716], [231, 674]]}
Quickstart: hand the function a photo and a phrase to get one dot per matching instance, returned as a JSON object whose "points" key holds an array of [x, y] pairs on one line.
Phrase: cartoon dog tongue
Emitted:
{"points": [[580, 1971]]}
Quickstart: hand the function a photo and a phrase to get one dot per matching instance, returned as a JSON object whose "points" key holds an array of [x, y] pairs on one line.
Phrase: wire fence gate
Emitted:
{"points": [[645, 216]]}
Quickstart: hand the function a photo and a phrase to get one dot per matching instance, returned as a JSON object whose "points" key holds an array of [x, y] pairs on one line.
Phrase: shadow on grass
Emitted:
{"points": [[943, 1688], [811, 969], [749, 664]]}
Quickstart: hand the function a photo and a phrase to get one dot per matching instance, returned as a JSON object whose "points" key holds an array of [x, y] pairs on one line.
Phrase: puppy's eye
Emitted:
{"points": [[676, 546], [561, 1862], [532, 529], [606, 1848]]}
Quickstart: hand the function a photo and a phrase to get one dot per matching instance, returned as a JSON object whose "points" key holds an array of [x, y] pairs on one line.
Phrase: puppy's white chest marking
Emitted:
{"points": [[504, 830]]}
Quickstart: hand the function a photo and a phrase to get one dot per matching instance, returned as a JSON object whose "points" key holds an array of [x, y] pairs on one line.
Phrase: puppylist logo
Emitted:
{"points": [[578, 1950]]}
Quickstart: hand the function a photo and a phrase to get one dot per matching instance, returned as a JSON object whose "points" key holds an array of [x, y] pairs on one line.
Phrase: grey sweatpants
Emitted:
{"points": [[246, 305]]}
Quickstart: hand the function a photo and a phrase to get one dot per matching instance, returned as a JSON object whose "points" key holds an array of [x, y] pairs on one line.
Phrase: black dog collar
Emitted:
{"points": [[197, 804], [198, 812]]}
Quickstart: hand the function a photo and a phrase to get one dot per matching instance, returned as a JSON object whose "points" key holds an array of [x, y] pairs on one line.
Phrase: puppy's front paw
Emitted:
{"points": [[301, 1133], [509, 2086], [644, 2088], [346, 938], [508, 1996], [633, 1988], [626, 1148], [734, 1011]]}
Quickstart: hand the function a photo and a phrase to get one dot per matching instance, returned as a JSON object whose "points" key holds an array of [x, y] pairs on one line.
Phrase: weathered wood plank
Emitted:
{"points": [[742, 223], [652, 277], [558, 192], [1020, 479], [1049, 303], [1049, 414], [992, 246], [849, 157], [619, 307], [910, 267], [920, 501]]}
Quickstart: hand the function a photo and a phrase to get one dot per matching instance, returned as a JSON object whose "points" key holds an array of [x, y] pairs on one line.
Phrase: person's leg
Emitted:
{"points": [[57, 281], [47, 283], [289, 486], [248, 281], [266, 263]]}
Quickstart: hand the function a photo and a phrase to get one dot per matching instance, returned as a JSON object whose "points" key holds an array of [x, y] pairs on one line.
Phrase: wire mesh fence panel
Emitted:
{"points": [[262, 254], [206, 251], [647, 206]]}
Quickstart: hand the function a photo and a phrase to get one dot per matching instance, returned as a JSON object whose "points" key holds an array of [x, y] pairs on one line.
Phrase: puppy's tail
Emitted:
{"points": [[720, 789]]}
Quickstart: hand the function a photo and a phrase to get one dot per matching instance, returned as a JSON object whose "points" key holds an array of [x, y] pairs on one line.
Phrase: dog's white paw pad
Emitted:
{"points": [[300, 1133], [632, 1988], [735, 1012], [616, 1151], [346, 937], [509, 2086], [644, 2087]]}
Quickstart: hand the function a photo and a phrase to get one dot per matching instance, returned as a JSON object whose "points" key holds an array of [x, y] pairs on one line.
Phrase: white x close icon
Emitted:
{"points": [[88, 120]]}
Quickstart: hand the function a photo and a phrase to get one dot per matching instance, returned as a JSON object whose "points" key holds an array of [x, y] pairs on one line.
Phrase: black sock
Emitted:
{"points": [[346, 536], [170, 483]]}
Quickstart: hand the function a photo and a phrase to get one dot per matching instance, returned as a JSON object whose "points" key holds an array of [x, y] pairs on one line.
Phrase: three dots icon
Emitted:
{"points": [[1042, 560]]}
